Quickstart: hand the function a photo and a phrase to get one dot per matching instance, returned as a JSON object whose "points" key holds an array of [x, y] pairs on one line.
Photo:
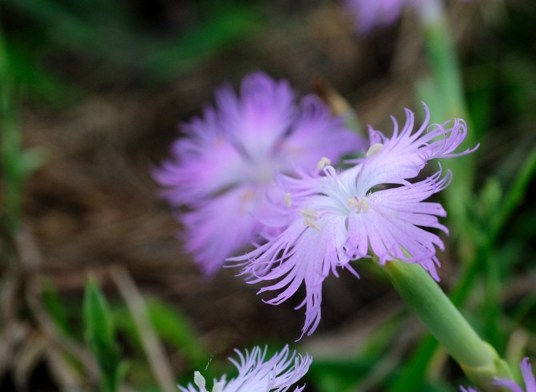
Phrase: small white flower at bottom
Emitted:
{"points": [[255, 374]]}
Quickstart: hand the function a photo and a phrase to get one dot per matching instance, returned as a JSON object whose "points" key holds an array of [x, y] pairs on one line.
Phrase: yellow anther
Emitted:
{"points": [[288, 199], [323, 162], [309, 218], [374, 149]]}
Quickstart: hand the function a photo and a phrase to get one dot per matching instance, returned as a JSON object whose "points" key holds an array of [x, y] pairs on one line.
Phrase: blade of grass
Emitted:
{"points": [[151, 344], [174, 328], [100, 335], [10, 147]]}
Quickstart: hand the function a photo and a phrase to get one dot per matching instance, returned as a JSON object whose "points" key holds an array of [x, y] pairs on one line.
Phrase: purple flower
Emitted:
{"points": [[369, 14], [220, 171], [368, 210], [256, 374], [528, 378]]}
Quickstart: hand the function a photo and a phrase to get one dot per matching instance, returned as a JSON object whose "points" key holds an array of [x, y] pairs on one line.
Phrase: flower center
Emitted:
{"points": [[323, 162], [358, 203], [247, 201]]}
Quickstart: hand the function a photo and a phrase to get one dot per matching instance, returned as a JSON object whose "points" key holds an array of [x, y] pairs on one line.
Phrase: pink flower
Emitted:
{"points": [[257, 374], [375, 13], [368, 14], [222, 168], [368, 210]]}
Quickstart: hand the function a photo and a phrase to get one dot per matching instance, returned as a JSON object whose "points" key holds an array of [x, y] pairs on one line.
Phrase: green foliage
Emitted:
{"points": [[61, 29], [170, 325], [100, 337], [173, 327], [229, 26], [16, 164], [339, 375], [56, 309]]}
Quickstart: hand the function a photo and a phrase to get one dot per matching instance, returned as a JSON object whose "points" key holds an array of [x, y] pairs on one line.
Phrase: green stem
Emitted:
{"points": [[442, 59], [446, 92], [447, 82], [478, 359], [414, 370]]}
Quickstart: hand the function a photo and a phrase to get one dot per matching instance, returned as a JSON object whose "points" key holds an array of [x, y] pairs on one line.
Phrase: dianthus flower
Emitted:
{"points": [[256, 374], [368, 210], [528, 378], [220, 170], [376, 13], [368, 14]]}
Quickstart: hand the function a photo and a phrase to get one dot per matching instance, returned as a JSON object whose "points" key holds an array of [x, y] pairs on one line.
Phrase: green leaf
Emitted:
{"points": [[56, 309], [100, 335], [338, 375], [223, 28], [99, 326], [171, 325]]}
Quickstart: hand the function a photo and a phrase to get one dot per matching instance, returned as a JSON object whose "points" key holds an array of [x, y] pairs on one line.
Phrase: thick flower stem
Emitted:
{"points": [[478, 359]]}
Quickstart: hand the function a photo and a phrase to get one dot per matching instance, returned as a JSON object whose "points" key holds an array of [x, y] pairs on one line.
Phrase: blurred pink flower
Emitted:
{"points": [[368, 14], [375, 13], [220, 171]]}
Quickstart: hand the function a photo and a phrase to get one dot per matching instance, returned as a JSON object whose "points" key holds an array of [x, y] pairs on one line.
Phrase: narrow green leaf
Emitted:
{"points": [[56, 309], [171, 325], [100, 335], [99, 327]]}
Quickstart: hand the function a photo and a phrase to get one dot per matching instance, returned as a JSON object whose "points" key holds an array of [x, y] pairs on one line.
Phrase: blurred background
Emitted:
{"points": [[92, 95]]}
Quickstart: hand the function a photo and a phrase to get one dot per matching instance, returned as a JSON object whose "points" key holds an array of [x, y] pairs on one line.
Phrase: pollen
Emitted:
{"points": [[323, 162], [288, 199], [374, 149], [359, 204], [246, 200], [309, 218]]}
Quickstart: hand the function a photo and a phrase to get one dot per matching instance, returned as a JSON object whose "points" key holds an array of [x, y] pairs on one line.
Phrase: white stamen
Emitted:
{"points": [[374, 149], [288, 199], [218, 387], [199, 380], [360, 204], [309, 218], [323, 162]]}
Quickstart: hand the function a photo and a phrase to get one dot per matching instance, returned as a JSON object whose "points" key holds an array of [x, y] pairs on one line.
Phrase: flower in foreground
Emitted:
{"points": [[528, 378], [368, 210], [258, 374], [220, 171]]}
